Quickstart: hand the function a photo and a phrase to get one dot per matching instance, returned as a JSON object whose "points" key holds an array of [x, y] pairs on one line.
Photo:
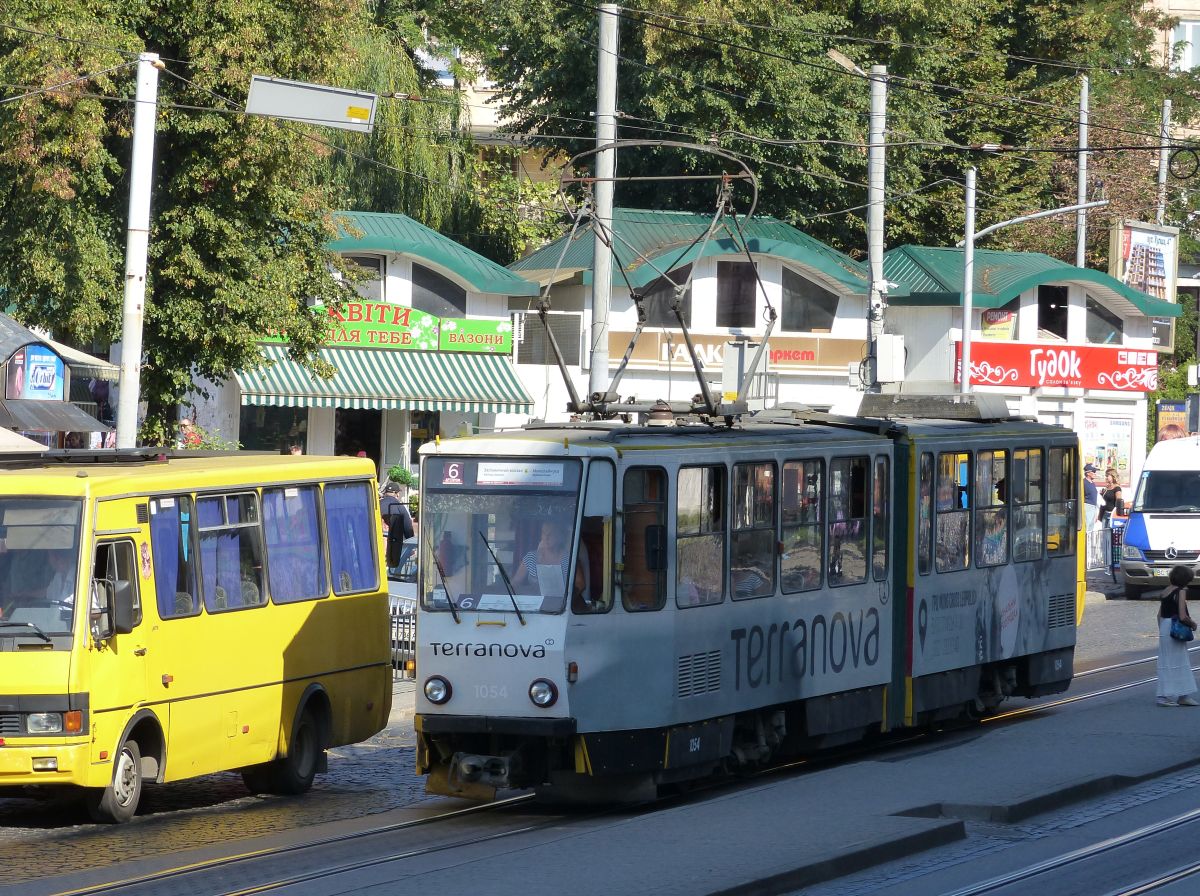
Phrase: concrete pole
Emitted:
{"points": [[1164, 156], [1081, 215], [606, 166], [876, 150], [136, 244], [968, 291]]}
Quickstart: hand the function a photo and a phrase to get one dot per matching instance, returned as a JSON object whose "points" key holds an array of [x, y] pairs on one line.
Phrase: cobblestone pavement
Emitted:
{"points": [[48, 835]]}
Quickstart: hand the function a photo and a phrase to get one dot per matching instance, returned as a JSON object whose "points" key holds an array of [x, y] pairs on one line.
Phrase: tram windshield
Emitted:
{"points": [[39, 559], [497, 534]]}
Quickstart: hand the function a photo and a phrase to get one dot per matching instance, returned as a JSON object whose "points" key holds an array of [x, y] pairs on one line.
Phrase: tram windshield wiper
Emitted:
{"points": [[450, 598], [504, 575], [37, 631]]}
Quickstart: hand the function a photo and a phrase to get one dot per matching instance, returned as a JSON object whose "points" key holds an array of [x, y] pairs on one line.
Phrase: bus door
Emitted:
{"points": [[118, 665]]}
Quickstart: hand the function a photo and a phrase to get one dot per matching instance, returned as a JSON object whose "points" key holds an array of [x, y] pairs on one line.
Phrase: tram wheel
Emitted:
{"points": [[117, 803]]}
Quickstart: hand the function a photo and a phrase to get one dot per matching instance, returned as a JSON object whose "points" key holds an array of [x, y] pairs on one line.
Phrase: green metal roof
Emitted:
{"points": [[404, 236], [934, 276], [663, 236]]}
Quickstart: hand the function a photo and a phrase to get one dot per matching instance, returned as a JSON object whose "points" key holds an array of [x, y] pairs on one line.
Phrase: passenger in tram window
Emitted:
{"points": [[993, 545], [551, 550]]}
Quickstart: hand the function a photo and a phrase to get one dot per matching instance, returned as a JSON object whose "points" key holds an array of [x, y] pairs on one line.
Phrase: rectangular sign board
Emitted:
{"points": [[333, 107]]}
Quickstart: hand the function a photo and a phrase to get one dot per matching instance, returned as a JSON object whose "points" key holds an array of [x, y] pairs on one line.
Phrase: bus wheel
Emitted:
{"points": [[294, 773], [258, 779], [117, 803]]}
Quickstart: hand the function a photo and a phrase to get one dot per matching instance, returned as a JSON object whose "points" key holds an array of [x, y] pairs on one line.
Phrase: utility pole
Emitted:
{"points": [[968, 290], [136, 245], [1164, 156], [876, 148], [1081, 193], [606, 166]]}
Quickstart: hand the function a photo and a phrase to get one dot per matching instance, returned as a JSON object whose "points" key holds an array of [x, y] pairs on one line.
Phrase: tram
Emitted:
{"points": [[608, 608]]}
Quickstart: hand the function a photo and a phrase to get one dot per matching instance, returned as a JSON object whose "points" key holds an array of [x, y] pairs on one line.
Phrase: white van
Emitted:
{"points": [[1164, 524]]}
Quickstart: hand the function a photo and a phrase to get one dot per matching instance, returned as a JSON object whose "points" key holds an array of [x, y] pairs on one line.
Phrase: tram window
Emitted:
{"points": [[953, 511], [230, 552], [1062, 508], [700, 536], [991, 508], [803, 488], [295, 554], [1026, 496], [925, 516], [848, 520], [752, 572], [879, 521], [643, 581], [172, 540]]}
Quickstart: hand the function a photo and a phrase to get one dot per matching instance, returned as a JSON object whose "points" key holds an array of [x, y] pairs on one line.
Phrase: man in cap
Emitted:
{"points": [[1091, 497]]}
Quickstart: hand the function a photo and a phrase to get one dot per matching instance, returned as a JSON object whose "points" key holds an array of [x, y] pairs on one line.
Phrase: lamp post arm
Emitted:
{"points": [[1098, 203]]}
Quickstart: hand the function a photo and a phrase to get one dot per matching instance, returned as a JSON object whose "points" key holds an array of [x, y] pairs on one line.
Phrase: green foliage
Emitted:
{"points": [[402, 475]]}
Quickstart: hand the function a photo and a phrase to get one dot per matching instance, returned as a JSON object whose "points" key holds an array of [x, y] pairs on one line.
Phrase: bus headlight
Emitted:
{"points": [[1129, 552], [437, 690], [43, 722], [543, 693]]}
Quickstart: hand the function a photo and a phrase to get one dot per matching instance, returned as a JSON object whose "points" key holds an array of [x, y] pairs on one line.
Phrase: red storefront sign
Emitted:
{"points": [[1080, 366]]}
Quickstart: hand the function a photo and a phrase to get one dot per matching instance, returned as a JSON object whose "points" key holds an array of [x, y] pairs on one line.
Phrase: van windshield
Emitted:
{"points": [[491, 524], [1169, 491], [39, 563]]}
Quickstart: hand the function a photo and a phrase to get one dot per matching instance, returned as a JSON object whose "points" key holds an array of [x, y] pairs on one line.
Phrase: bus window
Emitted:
{"points": [[991, 508], [752, 571], [925, 516], [352, 529], [847, 520], [116, 564], [172, 533], [879, 523], [953, 511], [230, 551], [1026, 496], [800, 504], [1062, 508], [700, 536], [295, 554], [643, 581]]}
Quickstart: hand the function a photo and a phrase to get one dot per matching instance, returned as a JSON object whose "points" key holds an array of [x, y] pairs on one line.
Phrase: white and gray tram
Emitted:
{"points": [[607, 608]]}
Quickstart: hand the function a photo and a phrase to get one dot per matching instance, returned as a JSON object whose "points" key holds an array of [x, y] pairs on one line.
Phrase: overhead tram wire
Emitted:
{"points": [[53, 87]]}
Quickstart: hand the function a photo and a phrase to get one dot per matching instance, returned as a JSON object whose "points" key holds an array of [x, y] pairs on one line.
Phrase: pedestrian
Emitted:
{"points": [[189, 437], [1114, 501], [1176, 683], [395, 512], [1091, 497]]}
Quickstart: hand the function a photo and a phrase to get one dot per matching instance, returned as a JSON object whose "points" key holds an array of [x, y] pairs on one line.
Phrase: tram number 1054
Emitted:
{"points": [[491, 691]]}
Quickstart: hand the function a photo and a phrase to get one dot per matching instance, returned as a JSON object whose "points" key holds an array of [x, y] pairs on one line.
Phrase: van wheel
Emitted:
{"points": [[1134, 592], [117, 803], [293, 774]]}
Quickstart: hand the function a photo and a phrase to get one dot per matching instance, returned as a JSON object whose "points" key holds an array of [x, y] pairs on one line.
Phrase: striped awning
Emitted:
{"points": [[389, 379]]}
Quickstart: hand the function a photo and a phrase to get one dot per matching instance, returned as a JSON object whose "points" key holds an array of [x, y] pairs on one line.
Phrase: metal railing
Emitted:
{"points": [[404, 643], [1099, 547]]}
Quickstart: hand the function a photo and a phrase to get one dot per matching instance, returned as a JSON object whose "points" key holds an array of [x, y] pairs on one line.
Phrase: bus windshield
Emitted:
{"points": [[39, 562], [1169, 491], [491, 525]]}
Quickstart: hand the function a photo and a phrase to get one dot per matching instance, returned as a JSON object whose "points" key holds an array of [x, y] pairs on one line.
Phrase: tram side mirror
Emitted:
{"points": [[656, 547]]}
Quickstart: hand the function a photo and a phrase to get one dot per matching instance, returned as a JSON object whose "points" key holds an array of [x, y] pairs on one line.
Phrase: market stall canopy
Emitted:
{"points": [[388, 380], [13, 337], [32, 415]]}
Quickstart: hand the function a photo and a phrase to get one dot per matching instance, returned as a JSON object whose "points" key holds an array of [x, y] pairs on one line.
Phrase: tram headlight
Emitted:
{"points": [[437, 690], [1129, 552], [43, 722], [543, 693]]}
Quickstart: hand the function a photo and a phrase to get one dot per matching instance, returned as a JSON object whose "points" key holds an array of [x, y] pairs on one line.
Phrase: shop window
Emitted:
{"points": [[848, 520], [644, 512], [803, 487], [437, 295], [1103, 326], [700, 536], [737, 294], [1062, 506], [1052, 312], [953, 511], [807, 307], [370, 287], [1027, 510], [657, 298], [273, 429], [533, 345], [752, 569], [1185, 46]]}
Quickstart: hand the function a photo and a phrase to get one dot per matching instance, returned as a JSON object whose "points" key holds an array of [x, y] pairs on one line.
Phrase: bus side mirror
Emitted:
{"points": [[656, 547], [122, 615], [100, 611]]}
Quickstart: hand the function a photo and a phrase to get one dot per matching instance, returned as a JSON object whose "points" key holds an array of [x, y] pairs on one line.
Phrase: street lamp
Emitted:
{"points": [[968, 247]]}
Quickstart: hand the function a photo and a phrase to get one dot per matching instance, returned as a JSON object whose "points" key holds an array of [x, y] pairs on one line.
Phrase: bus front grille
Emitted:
{"points": [[10, 724]]}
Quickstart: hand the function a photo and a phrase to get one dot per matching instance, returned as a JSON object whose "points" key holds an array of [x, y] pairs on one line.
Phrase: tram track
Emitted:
{"points": [[195, 870]]}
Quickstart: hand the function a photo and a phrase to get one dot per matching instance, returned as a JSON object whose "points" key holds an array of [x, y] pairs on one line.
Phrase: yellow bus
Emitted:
{"points": [[173, 616]]}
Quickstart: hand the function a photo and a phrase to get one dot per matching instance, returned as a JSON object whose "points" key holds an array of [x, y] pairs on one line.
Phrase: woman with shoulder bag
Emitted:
{"points": [[1176, 683]]}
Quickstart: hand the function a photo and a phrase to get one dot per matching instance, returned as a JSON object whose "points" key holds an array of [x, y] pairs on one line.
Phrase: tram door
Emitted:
{"points": [[594, 554]]}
